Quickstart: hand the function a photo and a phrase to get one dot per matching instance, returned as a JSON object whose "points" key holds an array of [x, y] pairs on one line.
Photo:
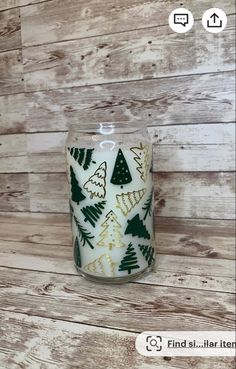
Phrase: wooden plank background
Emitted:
{"points": [[99, 66], [73, 61]]}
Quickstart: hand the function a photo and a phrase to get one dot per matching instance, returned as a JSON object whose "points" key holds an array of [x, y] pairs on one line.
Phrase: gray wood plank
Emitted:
{"points": [[56, 20], [37, 348], [207, 98], [136, 55], [10, 35], [11, 70]]}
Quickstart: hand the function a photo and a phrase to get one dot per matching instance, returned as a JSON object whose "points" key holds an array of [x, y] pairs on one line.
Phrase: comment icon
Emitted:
{"points": [[181, 20]]}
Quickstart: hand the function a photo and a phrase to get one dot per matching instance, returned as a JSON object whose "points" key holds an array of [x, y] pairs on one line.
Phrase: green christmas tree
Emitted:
{"points": [[76, 191], [77, 256], [82, 156], [121, 174], [85, 236], [148, 252], [130, 260], [93, 212], [137, 228], [148, 206]]}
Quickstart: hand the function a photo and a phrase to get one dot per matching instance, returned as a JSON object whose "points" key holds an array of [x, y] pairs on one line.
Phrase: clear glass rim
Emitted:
{"points": [[108, 127]]}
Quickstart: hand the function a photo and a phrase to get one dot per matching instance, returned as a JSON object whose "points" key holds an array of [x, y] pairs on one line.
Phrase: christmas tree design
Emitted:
{"points": [[130, 260], [96, 184], [76, 191], [111, 235], [77, 256], [127, 201], [102, 265], [137, 228], [148, 206], [121, 174], [93, 212], [148, 253], [85, 236], [142, 159], [82, 156]]}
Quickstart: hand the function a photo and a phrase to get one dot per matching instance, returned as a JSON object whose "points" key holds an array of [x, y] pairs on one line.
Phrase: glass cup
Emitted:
{"points": [[109, 168]]}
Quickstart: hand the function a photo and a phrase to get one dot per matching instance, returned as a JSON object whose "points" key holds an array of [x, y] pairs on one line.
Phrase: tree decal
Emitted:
{"points": [[96, 184], [102, 265], [92, 212], [111, 235], [121, 174], [137, 228], [85, 236], [77, 256], [148, 206], [142, 159], [148, 253], [76, 191], [82, 156], [127, 201], [130, 260]]}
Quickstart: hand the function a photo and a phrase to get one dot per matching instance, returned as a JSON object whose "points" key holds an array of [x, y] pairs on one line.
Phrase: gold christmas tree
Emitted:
{"points": [[142, 159], [111, 235], [102, 265], [127, 201], [96, 184]]}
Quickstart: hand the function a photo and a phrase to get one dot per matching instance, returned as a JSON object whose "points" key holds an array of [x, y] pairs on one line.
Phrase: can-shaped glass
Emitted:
{"points": [[109, 167]]}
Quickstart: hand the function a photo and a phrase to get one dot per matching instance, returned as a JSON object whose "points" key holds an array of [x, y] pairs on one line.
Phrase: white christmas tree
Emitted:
{"points": [[127, 201], [142, 159], [96, 184], [111, 235], [102, 265]]}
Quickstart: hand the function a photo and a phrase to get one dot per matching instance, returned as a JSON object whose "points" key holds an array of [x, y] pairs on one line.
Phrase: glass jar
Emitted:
{"points": [[111, 200]]}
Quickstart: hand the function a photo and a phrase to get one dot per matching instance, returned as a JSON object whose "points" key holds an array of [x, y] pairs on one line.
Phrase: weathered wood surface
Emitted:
{"points": [[38, 348], [203, 147], [10, 36], [207, 98], [55, 20], [151, 53], [11, 69], [187, 194], [38, 242], [174, 271], [174, 236], [12, 114], [69, 297], [14, 192], [8, 4]]}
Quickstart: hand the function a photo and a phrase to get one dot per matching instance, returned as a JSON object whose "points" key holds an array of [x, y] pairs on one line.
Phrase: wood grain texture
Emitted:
{"points": [[207, 98], [12, 114], [193, 195], [14, 192], [48, 22], [38, 348], [11, 72], [196, 237], [10, 36], [135, 55], [9, 4], [202, 147], [174, 236], [173, 271], [69, 297]]}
